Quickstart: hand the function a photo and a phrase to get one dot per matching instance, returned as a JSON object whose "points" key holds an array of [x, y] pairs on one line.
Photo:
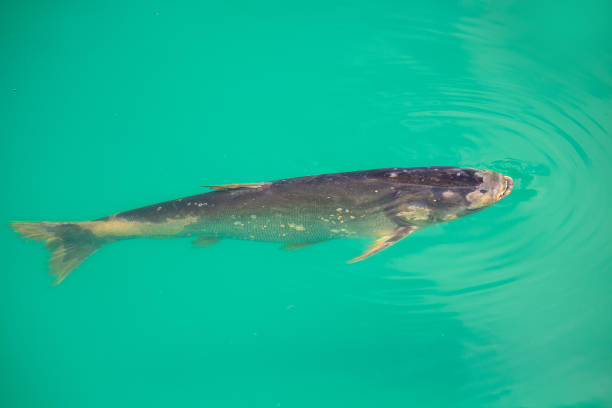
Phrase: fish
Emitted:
{"points": [[385, 205]]}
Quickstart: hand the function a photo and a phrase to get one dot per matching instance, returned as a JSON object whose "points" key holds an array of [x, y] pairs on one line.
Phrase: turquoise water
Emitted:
{"points": [[107, 106]]}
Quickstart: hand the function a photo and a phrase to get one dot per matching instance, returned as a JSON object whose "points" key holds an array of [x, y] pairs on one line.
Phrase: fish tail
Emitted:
{"points": [[68, 243]]}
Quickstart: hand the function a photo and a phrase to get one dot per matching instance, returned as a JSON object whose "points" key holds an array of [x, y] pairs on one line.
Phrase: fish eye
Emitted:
{"points": [[483, 191]]}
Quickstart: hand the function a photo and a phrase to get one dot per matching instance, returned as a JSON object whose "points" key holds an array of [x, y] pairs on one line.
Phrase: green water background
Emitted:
{"points": [[107, 106]]}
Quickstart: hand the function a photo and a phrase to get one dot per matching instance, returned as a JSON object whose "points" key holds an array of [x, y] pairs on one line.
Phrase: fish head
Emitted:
{"points": [[429, 195], [492, 188], [480, 189]]}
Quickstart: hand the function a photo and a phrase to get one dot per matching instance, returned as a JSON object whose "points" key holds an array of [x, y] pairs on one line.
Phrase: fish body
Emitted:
{"points": [[383, 204]]}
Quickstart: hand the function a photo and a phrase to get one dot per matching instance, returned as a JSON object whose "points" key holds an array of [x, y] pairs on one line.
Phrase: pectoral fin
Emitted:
{"points": [[385, 242], [201, 242], [290, 246], [221, 187]]}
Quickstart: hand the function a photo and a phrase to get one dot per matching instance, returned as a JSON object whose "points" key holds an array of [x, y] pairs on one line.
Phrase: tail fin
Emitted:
{"points": [[68, 243]]}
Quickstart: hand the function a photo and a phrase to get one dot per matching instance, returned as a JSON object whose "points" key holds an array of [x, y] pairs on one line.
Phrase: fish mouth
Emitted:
{"points": [[508, 189]]}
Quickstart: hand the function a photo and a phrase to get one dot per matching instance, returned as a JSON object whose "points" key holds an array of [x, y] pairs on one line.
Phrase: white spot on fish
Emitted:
{"points": [[300, 227], [282, 225], [159, 208], [392, 175], [339, 209], [414, 213], [448, 194], [253, 216]]}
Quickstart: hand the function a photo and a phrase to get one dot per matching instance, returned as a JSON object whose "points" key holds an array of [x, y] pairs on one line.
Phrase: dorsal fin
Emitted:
{"points": [[221, 187]]}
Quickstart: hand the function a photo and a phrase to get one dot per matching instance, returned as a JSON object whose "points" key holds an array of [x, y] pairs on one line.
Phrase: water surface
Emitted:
{"points": [[108, 106]]}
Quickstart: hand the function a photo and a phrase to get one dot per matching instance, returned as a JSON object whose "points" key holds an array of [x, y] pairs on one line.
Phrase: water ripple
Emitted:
{"points": [[527, 115]]}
